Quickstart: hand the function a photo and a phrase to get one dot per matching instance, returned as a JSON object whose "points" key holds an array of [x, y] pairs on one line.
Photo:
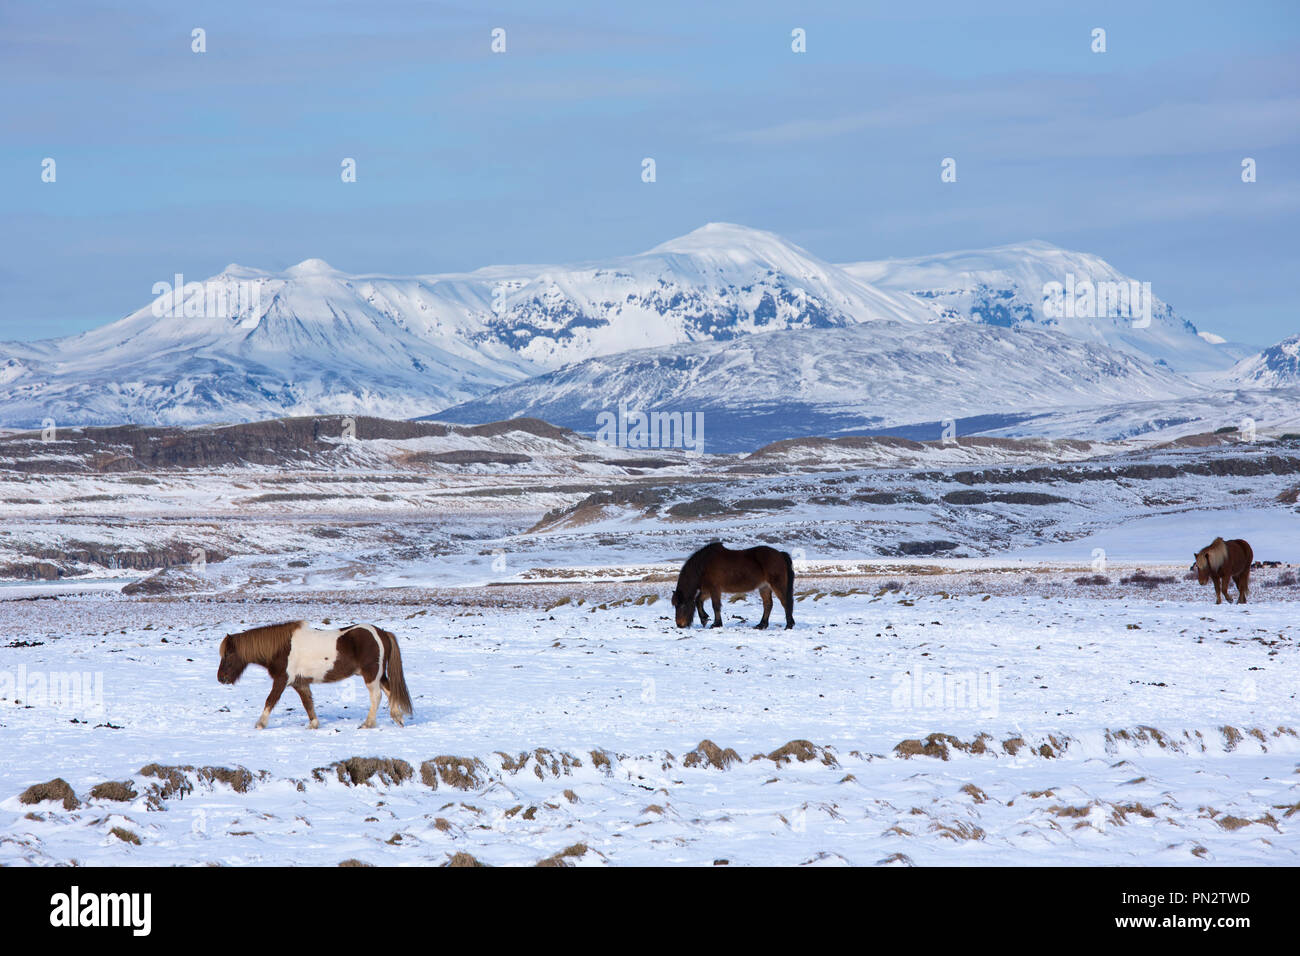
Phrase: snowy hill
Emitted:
{"points": [[314, 340], [860, 379], [1275, 367], [1006, 287]]}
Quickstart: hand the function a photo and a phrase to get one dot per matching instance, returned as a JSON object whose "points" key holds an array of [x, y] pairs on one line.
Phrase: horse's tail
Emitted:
{"points": [[1243, 584], [399, 698], [789, 580]]}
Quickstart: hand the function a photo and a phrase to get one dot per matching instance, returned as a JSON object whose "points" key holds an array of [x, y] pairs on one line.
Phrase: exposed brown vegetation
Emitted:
{"points": [[120, 790], [563, 858], [460, 773], [56, 789], [356, 771], [709, 754], [125, 835], [802, 751]]}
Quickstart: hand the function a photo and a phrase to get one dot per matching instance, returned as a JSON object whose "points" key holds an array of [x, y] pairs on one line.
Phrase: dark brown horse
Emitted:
{"points": [[298, 656], [1221, 561], [715, 570]]}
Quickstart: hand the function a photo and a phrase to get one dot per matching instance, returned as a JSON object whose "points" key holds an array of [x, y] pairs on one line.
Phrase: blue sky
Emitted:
{"points": [[170, 161]]}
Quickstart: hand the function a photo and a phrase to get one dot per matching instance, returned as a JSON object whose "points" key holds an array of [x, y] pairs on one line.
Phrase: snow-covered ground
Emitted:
{"points": [[1148, 727], [1273, 533]]}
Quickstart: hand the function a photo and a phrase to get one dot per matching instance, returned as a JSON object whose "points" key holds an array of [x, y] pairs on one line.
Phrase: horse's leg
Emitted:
{"points": [[1243, 586], [765, 593], [787, 602], [304, 691], [277, 688], [716, 597], [376, 693], [699, 606], [1218, 595]]}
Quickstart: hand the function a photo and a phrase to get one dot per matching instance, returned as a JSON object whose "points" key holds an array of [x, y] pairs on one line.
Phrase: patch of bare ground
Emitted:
{"points": [[354, 862], [462, 858], [709, 754], [896, 859], [459, 773], [56, 789]]}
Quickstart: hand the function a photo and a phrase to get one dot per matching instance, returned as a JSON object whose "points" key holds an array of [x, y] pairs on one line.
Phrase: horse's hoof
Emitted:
{"points": [[760, 626], [260, 726], [789, 625], [314, 725]]}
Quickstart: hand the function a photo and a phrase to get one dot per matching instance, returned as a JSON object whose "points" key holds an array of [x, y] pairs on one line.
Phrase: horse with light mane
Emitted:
{"points": [[297, 656], [1223, 560], [715, 569]]}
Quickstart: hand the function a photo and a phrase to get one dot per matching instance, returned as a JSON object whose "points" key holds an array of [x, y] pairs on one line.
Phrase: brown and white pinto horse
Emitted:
{"points": [[298, 656], [1223, 560], [716, 569]]}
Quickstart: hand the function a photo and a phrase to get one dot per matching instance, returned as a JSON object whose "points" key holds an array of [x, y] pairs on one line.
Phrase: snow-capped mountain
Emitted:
{"points": [[1038, 284], [314, 340], [1275, 367], [866, 378], [310, 340]]}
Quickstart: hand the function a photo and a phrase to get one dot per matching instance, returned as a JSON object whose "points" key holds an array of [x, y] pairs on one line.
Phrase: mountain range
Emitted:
{"points": [[726, 318]]}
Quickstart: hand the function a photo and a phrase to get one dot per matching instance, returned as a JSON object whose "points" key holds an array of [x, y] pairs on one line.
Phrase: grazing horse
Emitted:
{"points": [[1223, 560], [716, 569], [298, 656]]}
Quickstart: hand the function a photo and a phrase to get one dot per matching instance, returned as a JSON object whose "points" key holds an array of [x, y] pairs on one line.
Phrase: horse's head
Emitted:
{"points": [[232, 665], [1201, 565], [685, 608]]}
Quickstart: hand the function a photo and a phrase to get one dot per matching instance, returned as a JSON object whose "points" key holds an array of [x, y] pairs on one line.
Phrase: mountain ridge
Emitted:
{"points": [[313, 339]]}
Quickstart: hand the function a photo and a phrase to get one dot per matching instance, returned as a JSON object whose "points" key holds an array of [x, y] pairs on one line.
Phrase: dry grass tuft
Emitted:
{"points": [[802, 751], [709, 754], [463, 859], [126, 836], [56, 789], [460, 773], [577, 851], [119, 790]]}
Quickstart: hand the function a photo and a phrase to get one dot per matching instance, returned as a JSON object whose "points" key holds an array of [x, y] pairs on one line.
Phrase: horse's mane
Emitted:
{"points": [[688, 581], [1214, 553], [259, 644]]}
